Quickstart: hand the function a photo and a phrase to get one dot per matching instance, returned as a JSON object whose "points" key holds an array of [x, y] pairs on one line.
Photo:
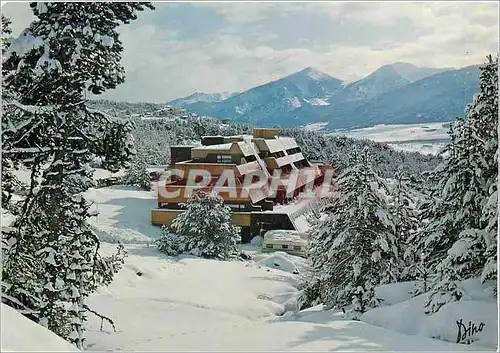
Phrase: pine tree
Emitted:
{"points": [[403, 199], [53, 261], [311, 289], [168, 243], [9, 181], [461, 233], [137, 174], [6, 32], [353, 247], [204, 229]]}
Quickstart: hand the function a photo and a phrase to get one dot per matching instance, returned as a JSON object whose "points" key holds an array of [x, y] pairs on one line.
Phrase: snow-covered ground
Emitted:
{"points": [[406, 314], [186, 303], [123, 214], [424, 138], [161, 303], [400, 132], [315, 126], [421, 147], [20, 334]]}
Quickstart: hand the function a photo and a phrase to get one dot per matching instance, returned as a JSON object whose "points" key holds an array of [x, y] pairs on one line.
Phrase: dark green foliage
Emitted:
{"points": [[354, 247], [204, 229], [460, 218], [52, 261]]}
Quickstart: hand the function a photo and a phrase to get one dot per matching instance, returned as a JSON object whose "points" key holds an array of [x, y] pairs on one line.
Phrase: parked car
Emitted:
{"points": [[289, 241]]}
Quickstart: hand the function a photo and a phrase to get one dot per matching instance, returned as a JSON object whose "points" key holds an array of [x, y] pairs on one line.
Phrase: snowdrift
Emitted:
{"points": [[407, 315], [20, 334], [282, 261]]}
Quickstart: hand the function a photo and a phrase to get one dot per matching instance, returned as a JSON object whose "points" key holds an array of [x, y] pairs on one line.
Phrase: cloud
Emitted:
{"points": [[182, 48]]}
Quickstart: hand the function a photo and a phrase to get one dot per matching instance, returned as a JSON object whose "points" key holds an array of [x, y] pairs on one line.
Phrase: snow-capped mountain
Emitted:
{"points": [[273, 103], [396, 93], [200, 97], [382, 80], [385, 79], [414, 73], [440, 97]]}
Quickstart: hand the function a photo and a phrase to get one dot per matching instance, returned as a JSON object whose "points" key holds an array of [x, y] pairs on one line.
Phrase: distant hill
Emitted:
{"points": [[414, 73], [440, 97], [397, 93], [200, 97], [383, 80]]}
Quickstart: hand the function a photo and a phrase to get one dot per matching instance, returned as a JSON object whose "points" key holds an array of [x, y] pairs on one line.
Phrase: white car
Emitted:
{"points": [[289, 241]]}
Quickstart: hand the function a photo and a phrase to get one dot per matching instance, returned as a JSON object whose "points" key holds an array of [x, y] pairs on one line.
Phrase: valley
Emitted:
{"points": [[423, 138]]}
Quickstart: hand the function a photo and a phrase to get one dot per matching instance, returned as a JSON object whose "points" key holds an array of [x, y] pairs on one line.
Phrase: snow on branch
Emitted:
{"points": [[102, 317]]}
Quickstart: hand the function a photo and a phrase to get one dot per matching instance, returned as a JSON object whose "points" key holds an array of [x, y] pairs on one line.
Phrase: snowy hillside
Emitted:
{"points": [[191, 304], [200, 97], [237, 301], [414, 73], [277, 100], [477, 307], [185, 303], [20, 334], [124, 214], [382, 80], [440, 97]]}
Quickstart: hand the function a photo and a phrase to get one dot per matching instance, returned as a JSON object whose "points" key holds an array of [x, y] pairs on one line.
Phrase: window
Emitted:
{"points": [[284, 246], [286, 169], [236, 207], [296, 247], [269, 246], [278, 154], [223, 159], [293, 150]]}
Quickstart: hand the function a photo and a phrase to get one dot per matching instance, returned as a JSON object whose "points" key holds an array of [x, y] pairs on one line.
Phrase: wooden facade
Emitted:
{"points": [[237, 158]]}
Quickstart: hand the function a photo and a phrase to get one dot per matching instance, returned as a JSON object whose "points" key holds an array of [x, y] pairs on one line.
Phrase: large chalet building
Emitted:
{"points": [[231, 162]]}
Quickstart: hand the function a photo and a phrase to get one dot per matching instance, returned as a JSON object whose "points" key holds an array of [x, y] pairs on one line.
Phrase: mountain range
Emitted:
{"points": [[394, 94]]}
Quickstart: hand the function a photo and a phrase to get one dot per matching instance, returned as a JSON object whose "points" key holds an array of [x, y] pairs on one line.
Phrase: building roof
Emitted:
{"points": [[220, 147]]}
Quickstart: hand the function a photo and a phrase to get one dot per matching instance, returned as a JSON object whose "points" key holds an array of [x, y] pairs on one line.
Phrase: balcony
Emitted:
{"points": [[275, 163]]}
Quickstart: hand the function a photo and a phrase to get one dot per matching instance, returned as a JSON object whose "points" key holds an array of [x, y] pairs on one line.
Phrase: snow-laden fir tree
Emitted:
{"points": [[204, 229], [309, 283], [168, 243], [137, 174], [353, 247], [9, 181], [402, 204], [460, 236], [52, 262], [6, 32]]}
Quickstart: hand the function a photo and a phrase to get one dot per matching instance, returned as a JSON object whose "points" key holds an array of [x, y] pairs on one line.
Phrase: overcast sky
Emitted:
{"points": [[182, 48]]}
